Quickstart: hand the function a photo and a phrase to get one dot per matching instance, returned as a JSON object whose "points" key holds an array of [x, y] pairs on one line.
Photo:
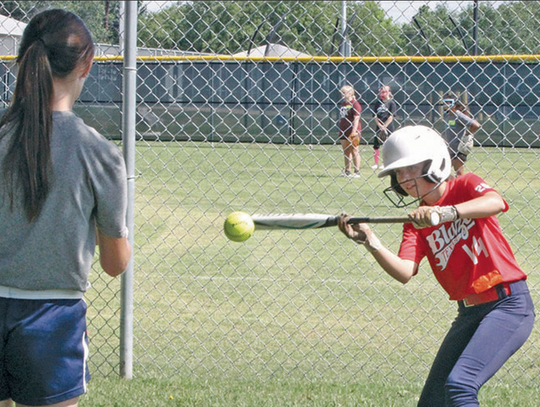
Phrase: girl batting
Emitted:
{"points": [[456, 229]]}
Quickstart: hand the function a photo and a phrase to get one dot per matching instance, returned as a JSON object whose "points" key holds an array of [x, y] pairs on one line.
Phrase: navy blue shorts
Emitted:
{"points": [[43, 350]]}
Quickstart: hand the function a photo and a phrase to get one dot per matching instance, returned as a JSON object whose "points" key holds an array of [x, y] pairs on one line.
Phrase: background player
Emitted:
{"points": [[384, 109], [460, 126], [62, 185], [350, 130], [469, 256]]}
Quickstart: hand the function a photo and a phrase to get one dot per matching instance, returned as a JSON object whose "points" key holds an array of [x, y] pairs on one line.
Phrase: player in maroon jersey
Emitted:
{"points": [[350, 129]]}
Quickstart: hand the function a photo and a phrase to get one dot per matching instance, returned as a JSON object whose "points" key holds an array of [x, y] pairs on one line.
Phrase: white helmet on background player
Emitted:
{"points": [[413, 145]]}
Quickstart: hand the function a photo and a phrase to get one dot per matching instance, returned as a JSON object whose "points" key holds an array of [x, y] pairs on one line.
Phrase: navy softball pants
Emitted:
{"points": [[481, 339]]}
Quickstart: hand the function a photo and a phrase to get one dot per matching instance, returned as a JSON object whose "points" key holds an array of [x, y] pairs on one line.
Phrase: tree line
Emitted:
{"points": [[228, 27], [315, 27]]}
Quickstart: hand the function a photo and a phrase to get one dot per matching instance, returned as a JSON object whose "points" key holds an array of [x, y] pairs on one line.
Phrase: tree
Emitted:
{"points": [[227, 27], [511, 28], [101, 17], [372, 33], [22, 10], [431, 32]]}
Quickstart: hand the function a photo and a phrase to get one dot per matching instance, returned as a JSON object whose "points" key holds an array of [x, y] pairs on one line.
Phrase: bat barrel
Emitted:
{"points": [[294, 221], [313, 221]]}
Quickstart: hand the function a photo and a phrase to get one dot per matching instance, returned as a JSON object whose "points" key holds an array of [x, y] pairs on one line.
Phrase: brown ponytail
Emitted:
{"points": [[54, 43]]}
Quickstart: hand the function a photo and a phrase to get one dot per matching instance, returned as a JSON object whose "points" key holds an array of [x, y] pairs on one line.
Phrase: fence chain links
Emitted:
{"points": [[237, 109]]}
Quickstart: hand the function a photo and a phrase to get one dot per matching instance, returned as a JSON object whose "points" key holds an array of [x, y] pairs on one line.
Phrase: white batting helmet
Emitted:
{"points": [[412, 145]]}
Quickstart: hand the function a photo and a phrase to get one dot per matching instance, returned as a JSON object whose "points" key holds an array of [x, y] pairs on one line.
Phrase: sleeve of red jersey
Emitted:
{"points": [[477, 187], [412, 246]]}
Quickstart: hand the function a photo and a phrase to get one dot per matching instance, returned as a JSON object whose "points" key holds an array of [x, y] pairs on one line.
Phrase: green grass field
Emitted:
{"points": [[287, 318]]}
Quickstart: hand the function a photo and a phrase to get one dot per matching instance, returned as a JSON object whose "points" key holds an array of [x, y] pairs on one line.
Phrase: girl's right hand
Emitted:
{"points": [[359, 233]]}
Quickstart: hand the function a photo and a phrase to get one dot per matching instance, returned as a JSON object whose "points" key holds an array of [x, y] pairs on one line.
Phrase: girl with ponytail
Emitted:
{"points": [[62, 190]]}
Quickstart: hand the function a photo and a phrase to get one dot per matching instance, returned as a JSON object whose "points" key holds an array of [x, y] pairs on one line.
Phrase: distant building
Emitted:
{"points": [[11, 31], [272, 50]]}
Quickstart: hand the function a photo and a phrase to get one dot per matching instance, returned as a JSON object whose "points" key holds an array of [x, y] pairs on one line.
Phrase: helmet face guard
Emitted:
{"points": [[449, 103], [401, 199]]}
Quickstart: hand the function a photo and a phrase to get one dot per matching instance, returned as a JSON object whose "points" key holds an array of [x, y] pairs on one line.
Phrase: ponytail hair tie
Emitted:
{"points": [[40, 40]]}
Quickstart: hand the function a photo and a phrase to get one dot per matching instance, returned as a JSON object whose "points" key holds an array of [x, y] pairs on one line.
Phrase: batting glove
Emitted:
{"points": [[428, 216]]}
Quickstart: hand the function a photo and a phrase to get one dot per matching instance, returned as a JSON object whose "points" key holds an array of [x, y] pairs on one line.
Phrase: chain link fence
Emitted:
{"points": [[237, 109]]}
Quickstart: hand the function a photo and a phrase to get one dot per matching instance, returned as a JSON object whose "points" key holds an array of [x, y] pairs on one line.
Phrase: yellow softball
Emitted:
{"points": [[238, 226]]}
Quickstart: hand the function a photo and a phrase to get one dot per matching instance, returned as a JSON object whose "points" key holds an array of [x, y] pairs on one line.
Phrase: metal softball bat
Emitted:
{"points": [[300, 221]]}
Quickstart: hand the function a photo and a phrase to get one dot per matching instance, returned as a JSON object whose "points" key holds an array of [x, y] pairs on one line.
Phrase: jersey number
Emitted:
{"points": [[476, 249]]}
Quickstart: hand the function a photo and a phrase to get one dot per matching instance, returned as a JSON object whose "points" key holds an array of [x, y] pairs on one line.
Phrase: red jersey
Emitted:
{"points": [[348, 111], [467, 256]]}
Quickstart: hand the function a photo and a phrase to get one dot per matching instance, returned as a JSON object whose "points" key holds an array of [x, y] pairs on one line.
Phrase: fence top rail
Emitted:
{"points": [[534, 58]]}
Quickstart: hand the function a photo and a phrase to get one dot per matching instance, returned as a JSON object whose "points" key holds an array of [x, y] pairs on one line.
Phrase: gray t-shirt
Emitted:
{"points": [[89, 188], [456, 124]]}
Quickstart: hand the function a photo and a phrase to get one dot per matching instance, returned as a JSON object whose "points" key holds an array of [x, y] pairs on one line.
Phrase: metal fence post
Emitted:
{"points": [[128, 142]]}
